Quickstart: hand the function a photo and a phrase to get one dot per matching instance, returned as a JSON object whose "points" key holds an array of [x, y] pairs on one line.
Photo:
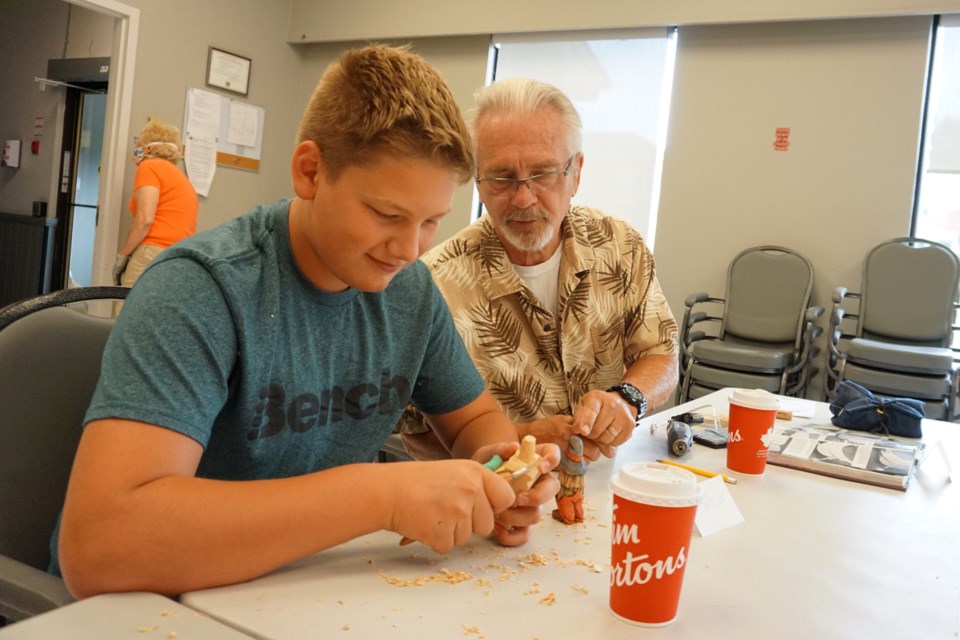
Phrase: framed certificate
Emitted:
{"points": [[228, 71]]}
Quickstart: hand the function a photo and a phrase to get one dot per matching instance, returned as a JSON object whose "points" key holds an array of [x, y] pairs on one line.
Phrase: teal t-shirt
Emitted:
{"points": [[224, 340]]}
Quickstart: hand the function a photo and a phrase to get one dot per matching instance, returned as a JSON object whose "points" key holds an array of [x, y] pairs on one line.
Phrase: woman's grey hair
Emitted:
{"points": [[525, 95]]}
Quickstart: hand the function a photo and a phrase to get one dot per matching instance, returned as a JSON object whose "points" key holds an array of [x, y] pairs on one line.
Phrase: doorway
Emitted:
{"points": [[78, 196], [116, 144]]}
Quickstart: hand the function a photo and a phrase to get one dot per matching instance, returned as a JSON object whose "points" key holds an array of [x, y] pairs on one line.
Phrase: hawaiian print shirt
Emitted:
{"points": [[611, 307]]}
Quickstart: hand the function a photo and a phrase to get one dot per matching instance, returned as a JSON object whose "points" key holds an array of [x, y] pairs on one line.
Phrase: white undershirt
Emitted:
{"points": [[542, 281]]}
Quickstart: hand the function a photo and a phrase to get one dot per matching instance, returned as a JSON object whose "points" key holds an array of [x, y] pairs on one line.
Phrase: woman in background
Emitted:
{"points": [[164, 203]]}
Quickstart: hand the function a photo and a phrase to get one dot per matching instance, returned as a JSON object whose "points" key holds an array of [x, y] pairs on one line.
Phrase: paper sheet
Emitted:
{"points": [[717, 510], [242, 129], [801, 408], [200, 161], [203, 125]]}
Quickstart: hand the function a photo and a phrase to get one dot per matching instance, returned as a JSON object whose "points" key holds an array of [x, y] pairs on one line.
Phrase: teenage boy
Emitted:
{"points": [[257, 368]]}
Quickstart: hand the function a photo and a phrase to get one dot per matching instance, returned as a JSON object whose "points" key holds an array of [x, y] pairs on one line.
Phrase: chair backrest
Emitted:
{"points": [[908, 293], [768, 292], [49, 365]]}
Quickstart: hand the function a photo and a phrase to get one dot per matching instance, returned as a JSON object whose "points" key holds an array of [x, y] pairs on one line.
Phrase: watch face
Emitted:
{"points": [[632, 395]]}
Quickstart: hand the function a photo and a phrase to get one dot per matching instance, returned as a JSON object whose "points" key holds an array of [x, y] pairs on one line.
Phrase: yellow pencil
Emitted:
{"points": [[699, 472]]}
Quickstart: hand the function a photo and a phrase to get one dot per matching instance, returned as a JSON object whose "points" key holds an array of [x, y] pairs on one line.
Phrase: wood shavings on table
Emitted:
{"points": [[592, 566], [512, 566], [442, 576]]}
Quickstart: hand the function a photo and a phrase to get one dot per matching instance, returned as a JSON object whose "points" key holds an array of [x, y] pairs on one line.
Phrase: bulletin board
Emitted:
{"points": [[229, 152]]}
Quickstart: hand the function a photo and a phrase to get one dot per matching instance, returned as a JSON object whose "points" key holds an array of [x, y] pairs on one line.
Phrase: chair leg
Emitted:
{"points": [[683, 389]]}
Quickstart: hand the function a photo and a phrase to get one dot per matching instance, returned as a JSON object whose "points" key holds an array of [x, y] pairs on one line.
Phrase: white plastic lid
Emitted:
{"points": [[657, 484], [755, 399]]}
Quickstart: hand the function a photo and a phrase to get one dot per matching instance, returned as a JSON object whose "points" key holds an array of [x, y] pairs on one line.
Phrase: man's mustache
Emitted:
{"points": [[526, 216]]}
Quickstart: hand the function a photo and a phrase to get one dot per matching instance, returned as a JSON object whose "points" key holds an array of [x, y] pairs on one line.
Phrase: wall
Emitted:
{"points": [[333, 20], [90, 34], [850, 90], [68, 32], [172, 56], [27, 50], [173, 40], [851, 93]]}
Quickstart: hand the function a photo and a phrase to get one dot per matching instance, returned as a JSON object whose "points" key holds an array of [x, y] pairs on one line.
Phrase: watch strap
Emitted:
{"points": [[633, 396]]}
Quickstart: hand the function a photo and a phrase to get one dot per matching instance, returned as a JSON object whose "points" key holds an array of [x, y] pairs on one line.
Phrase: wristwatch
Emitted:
{"points": [[632, 395]]}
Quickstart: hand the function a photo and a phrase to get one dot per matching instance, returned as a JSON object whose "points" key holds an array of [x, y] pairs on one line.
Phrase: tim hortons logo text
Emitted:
{"points": [[640, 569]]}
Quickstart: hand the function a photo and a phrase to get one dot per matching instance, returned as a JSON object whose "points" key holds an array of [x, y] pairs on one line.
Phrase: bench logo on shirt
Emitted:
{"points": [[308, 410]]}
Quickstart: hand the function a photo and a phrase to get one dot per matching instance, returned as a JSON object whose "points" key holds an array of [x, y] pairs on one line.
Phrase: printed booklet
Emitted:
{"points": [[841, 453]]}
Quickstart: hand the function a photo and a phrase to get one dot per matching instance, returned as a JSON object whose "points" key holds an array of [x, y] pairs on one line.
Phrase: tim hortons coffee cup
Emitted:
{"points": [[750, 425], [653, 509]]}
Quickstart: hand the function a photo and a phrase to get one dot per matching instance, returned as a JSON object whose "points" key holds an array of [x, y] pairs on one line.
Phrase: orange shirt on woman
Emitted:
{"points": [[176, 216]]}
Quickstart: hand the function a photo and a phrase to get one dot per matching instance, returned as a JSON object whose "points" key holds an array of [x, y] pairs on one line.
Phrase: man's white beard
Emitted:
{"points": [[531, 241]]}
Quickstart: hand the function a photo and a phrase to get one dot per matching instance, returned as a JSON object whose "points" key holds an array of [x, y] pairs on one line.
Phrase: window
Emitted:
{"points": [[620, 83], [937, 215]]}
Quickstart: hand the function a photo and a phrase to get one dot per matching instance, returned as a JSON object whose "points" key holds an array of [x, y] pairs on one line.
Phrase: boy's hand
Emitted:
{"points": [[443, 503], [513, 525]]}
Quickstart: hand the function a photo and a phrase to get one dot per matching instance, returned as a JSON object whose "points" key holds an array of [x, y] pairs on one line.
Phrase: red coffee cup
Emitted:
{"points": [[752, 415], [653, 510]]}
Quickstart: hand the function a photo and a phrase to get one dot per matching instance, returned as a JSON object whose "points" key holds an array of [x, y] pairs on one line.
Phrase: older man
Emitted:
{"points": [[558, 305]]}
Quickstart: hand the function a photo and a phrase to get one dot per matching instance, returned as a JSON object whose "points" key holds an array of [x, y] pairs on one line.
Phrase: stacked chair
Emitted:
{"points": [[49, 364], [894, 337], [760, 335]]}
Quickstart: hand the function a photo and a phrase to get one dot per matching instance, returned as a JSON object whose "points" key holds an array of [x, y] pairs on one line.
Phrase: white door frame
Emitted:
{"points": [[116, 147]]}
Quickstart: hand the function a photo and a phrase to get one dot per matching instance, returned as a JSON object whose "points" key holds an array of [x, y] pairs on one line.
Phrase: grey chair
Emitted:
{"points": [[393, 450], [894, 337], [49, 364], [760, 335]]}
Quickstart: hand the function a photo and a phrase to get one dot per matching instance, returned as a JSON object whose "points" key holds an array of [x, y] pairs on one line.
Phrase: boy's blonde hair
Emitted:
{"points": [[381, 99], [158, 131]]}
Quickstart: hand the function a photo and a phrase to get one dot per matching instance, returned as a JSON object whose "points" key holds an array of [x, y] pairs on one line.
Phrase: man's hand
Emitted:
{"points": [[558, 429], [119, 266], [604, 417]]}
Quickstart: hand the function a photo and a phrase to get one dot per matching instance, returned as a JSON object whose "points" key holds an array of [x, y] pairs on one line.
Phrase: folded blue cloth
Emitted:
{"points": [[854, 407]]}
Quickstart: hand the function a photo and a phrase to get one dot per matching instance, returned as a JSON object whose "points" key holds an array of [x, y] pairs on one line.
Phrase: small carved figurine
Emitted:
{"points": [[571, 473], [524, 462]]}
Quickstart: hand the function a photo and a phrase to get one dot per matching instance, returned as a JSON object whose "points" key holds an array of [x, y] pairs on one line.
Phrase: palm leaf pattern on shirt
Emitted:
{"points": [[548, 351], [616, 278], [579, 379], [519, 395], [451, 250], [489, 253], [497, 332], [576, 302]]}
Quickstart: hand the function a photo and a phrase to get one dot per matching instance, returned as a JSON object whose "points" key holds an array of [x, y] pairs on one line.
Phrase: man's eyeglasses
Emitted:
{"points": [[538, 183]]}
